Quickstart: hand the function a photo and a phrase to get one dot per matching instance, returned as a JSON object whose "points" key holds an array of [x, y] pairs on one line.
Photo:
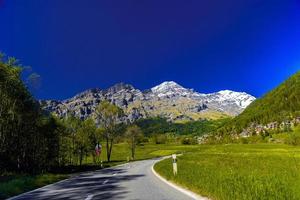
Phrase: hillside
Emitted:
{"points": [[168, 100], [152, 126], [281, 104]]}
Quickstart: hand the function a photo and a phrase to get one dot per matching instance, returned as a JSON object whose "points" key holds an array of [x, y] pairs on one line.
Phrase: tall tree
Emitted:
{"points": [[86, 139], [108, 116], [133, 134], [27, 139], [72, 125]]}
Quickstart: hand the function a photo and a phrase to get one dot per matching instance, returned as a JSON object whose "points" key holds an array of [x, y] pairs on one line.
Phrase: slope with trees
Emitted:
{"points": [[282, 103], [152, 126]]}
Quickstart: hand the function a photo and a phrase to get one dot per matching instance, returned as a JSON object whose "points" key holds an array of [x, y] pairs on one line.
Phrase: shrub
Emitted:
{"points": [[189, 141], [244, 140], [293, 139], [160, 139]]}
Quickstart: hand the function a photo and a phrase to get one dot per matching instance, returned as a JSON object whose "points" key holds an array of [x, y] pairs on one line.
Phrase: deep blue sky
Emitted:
{"points": [[242, 45]]}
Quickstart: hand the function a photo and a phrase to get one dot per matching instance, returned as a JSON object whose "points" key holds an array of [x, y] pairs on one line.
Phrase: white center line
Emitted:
{"points": [[105, 182], [89, 197]]}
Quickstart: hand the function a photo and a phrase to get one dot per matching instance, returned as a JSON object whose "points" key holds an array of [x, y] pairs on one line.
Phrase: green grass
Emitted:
{"points": [[16, 184], [13, 185], [122, 151], [256, 171]]}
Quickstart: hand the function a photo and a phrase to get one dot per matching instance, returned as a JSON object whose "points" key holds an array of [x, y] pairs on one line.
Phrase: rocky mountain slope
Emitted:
{"points": [[169, 100]]}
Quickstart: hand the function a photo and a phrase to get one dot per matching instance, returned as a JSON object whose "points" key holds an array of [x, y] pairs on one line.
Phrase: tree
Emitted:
{"points": [[108, 117], [88, 135], [81, 143], [28, 141], [72, 125], [133, 134], [78, 139]]}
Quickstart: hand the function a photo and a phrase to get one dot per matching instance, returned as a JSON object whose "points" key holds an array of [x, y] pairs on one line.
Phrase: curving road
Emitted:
{"points": [[130, 181]]}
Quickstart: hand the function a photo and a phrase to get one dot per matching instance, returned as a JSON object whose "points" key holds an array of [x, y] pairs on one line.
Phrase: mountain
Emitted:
{"points": [[279, 105], [168, 100]]}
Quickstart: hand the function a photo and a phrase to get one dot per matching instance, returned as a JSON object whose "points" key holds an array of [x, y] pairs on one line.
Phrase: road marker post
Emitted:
{"points": [[174, 161]]}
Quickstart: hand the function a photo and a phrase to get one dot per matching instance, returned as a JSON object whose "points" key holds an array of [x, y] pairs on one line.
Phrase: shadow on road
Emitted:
{"points": [[104, 184]]}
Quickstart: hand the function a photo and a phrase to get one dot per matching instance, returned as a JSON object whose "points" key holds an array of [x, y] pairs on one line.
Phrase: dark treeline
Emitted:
{"points": [[27, 143]]}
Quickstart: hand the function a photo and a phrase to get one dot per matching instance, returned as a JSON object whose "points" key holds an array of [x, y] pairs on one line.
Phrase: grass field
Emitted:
{"points": [[16, 184], [227, 172], [11, 185], [122, 151]]}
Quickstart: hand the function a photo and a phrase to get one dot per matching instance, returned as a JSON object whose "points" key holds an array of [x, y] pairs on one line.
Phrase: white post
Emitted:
{"points": [[174, 160]]}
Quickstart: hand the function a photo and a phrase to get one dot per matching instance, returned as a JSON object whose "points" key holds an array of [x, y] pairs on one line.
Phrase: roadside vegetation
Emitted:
{"points": [[238, 171], [11, 185]]}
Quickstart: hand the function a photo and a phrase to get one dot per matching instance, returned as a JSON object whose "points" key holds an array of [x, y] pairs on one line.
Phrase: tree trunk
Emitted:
{"points": [[110, 148], [107, 150], [73, 147], [132, 148], [132, 152], [81, 156]]}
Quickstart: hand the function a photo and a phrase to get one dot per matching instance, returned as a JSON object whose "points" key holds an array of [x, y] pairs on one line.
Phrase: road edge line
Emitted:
{"points": [[177, 187]]}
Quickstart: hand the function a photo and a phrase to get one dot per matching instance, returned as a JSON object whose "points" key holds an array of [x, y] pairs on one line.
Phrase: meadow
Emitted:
{"points": [[238, 171]]}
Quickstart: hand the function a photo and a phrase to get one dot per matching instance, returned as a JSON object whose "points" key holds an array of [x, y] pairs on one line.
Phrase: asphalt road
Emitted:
{"points": [[130, 181]]}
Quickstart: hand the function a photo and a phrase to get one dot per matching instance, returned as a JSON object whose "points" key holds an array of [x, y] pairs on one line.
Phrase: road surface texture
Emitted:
{"points": [[130, 181]]}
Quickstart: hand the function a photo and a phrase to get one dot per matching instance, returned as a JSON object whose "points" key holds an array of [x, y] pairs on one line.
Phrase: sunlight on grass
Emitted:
{"points": [[163, 152], [229, 172]]}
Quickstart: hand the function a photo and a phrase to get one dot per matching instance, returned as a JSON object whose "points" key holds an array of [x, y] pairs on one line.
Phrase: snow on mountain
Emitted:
{"points": [[171, 88], [242, 99], [168, 99]]}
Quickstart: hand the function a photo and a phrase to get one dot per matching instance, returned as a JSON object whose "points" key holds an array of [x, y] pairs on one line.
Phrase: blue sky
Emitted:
{"points": [[242, 45]]}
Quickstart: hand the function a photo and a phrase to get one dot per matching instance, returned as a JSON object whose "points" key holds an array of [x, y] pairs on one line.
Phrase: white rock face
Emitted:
{"points": [[168, 99]]}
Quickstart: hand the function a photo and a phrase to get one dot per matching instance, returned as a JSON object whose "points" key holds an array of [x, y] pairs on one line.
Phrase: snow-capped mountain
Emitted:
{"points": [[230, 102], [172, 89], [169, 100], [242, 99]]}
